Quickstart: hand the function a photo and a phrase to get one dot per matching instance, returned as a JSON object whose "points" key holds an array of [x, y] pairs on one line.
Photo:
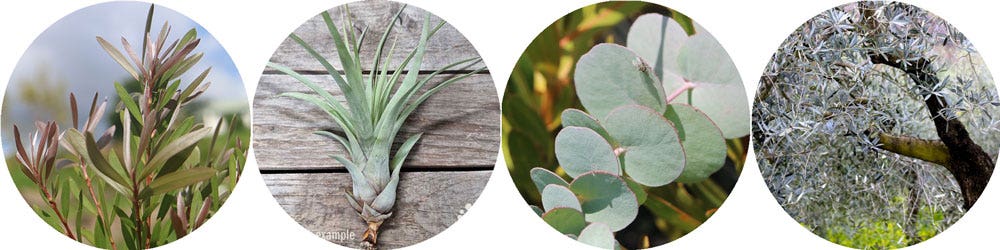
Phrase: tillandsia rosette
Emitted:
{"points": [[634, 135], [376, 106]]}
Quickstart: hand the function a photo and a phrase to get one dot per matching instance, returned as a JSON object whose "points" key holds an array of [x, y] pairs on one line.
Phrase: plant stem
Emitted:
{"points": [[136, 211], [688, 85], [97, 203], [52, 204], [370, 238]]}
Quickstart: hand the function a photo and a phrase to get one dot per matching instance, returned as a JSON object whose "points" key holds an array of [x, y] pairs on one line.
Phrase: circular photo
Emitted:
{"points": [[625, 125], [125, 126], [377, 125], [874, 125]]}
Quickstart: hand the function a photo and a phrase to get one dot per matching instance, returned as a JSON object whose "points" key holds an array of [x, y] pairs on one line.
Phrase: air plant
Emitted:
{"points": [[377, 104]]}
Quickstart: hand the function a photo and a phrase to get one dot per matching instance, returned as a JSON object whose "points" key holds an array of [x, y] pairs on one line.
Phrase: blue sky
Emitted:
{"points": [[68, 52]]}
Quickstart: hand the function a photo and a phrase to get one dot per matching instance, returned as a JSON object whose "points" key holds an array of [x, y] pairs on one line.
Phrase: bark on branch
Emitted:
{"points": [[927, 150], [967, 162]]}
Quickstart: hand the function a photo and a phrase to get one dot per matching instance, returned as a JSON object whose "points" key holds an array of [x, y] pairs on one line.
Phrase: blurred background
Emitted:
{"points": [[66, 58], [541, 87]]}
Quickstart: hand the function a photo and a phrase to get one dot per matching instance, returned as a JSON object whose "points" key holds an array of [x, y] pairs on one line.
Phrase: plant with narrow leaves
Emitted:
{"points": [[377, 104], [878, 111], [634, 136], [156, 184]]}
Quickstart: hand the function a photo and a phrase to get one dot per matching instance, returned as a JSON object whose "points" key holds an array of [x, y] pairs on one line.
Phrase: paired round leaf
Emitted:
{"points": [[543, 177], [598, 235], [580, 150], [704, 147], [605, 198], [565, 220], [556, 196], [640, 192], [577, 118], [700, 59], [653, 155], [610, 75]]}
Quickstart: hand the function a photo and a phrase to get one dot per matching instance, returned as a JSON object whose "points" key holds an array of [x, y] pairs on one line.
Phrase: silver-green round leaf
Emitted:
{"points": [[704, 147], [543, 177], [678, 59], [577, 118], [565, 220], [598, 235], [610, 75], [555, 196], [653, 154], [606, 198], [580, 150]]}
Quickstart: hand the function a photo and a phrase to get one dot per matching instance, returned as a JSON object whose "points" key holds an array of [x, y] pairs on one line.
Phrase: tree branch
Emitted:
{"points": [[967, 161], [933, 151]]}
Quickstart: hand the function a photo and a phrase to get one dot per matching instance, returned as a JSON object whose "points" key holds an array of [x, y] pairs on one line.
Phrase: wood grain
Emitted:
{"points": [[428, 203], [461, 126], [444, 173], [445, 47]]}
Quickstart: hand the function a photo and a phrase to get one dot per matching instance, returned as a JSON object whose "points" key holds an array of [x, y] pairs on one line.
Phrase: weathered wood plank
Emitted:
{"points": [[316, 201], [445, 47], [461, 126]]}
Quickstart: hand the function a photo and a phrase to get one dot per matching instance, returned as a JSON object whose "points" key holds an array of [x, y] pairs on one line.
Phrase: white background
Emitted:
{"points": [[251, 30]]}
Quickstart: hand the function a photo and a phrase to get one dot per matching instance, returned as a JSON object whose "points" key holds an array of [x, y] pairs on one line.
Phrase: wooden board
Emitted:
{"points": [[461, 126], [422, 211], [445, 47], [444, 173]]}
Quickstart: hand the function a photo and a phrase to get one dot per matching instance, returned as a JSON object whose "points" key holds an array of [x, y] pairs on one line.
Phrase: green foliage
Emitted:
{"points": [[631, 144], [885, 234], [164, 178], [376, 106], [877, 235], [829, 119]]}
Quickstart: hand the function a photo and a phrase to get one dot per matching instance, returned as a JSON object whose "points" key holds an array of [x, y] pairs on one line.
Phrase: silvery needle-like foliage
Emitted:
{"points": [[825, 96], [377, 104]]}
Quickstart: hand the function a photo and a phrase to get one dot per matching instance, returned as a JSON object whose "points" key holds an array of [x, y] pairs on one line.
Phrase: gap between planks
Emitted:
{"points": [[405, 169], [341, 72]]}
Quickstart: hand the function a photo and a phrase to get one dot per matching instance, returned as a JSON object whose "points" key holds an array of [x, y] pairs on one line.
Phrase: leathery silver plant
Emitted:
{"points": [[377, 104]]}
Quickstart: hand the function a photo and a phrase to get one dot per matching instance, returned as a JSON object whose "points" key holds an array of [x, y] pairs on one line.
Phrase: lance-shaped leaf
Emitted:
{"points": [[653, 155], [580, 150], [704, 147], [180, 144], [606, 198], [129, 103], [610, 75], [118, 57], [179, 179], [82, 145]]}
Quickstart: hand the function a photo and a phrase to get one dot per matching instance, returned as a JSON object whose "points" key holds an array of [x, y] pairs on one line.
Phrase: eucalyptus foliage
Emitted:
{"points": [[837, 96], [166, 175], [377, 104], [639, 131]]}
